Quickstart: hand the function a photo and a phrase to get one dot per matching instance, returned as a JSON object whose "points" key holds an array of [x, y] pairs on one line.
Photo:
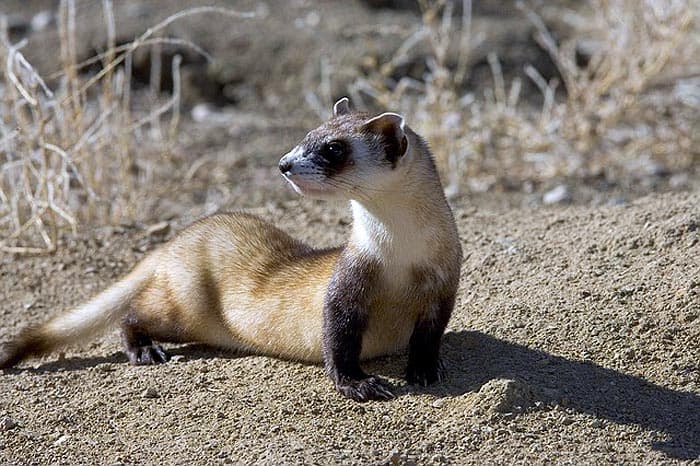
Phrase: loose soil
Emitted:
{"points": [[575, 337]]}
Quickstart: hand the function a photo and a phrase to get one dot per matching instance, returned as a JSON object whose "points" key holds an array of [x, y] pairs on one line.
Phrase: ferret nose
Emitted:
{"points": [[287, 161], [285, 165]]}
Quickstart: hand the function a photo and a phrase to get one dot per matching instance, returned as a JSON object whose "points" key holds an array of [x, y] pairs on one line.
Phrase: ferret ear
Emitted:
{"points": [[341, 107], [391, 129]]}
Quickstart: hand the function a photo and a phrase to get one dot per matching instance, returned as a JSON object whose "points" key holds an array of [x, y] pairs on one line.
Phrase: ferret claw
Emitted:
{"points": [[369, 388], [147, 355]]}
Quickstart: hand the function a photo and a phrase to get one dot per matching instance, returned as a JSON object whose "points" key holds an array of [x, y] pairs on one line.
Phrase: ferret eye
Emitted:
{"points": [[333, 151]]}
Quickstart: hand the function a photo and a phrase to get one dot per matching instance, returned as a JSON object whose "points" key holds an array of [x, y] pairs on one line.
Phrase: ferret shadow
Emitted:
{"points": [[472, 359], [71, 364], [188, 352]]}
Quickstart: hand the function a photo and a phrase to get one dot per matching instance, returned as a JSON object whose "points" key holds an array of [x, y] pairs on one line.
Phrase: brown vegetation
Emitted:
{"points": [[75, 154]]}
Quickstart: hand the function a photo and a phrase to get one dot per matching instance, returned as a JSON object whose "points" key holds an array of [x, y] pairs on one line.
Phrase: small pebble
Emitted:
{"points": [[7, 423], [41, 20], [439, 403], [393, 459], [150, 392], [558, 195], [61, 439], [201, 112]]}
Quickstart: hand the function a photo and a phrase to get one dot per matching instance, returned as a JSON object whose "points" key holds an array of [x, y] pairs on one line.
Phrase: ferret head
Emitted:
{"points": [[351, 156]]}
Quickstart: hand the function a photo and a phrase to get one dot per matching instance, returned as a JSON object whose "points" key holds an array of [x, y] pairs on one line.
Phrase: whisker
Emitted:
{"points": [[348, 187]]}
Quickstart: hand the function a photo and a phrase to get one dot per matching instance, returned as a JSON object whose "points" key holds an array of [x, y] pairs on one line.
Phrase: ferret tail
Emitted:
{"points": [[79, 323]]}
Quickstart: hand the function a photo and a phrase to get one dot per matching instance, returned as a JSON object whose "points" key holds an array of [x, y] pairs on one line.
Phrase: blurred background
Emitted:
{"points": [[145, 111]]}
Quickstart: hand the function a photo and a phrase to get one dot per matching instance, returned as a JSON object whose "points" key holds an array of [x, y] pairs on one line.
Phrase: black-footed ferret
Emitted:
{"points": [[236, 281]]}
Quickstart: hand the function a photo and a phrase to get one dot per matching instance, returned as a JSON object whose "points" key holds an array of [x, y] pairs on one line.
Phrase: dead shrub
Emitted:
{"points": [[72, 153], [604, 121]]}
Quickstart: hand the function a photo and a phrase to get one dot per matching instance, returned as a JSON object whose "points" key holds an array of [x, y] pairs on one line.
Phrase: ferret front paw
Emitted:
{"points": [[366, 389], [425, 374], [147, 355]]}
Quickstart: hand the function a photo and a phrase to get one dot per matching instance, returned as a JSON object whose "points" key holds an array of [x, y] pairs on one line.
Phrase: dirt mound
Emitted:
{"points": [[504, 396], [575, 336]]}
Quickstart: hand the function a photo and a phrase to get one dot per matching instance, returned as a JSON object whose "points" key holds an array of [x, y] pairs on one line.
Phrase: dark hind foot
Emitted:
{"points": [[147, 354], [139, 347]]}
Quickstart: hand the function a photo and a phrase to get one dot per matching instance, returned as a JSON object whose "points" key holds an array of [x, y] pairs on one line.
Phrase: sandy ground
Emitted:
{"points": [[575, 338]]}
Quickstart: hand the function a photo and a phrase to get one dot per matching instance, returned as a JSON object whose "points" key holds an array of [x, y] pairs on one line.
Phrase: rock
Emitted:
{"points": [[558, 195], [7, 423], [62, 439], [42, 20], [439, 403], [150, 392], [394, 459], [201, 112]]}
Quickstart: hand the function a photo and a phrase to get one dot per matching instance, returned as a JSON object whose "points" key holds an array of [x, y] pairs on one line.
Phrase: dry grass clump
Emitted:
{"points": [[628, 45], [605, 121], [71, 154]]}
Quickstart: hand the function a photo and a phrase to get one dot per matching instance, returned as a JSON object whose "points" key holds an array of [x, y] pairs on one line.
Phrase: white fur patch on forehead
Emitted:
{"points": [[344, 127]]}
